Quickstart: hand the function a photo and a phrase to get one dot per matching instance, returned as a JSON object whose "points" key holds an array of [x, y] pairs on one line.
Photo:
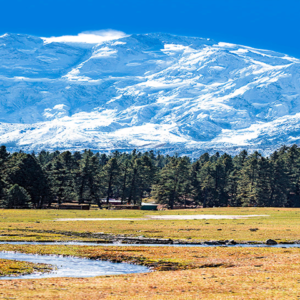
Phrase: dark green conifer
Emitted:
{"points": [[196, 191], [89, 180], [279, 181], [171, 186], [110, 176], [24, 170], [4, 155], [248, 176], [61, 173], [16, 197]]}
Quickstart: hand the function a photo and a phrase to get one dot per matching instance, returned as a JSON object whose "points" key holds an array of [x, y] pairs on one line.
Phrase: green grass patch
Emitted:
{"points": [[16, 268], [283, 225]]}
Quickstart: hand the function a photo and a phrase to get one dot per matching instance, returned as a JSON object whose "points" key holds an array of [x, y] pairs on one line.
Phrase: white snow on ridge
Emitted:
{"points": [[107, 91]]}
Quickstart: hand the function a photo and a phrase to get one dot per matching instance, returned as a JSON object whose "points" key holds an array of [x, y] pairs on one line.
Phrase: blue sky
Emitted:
{"points": [[264, 24]]}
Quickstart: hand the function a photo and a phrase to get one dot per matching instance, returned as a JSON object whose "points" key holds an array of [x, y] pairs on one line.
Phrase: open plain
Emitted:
{"points": [[177, 272], [280, 224]]}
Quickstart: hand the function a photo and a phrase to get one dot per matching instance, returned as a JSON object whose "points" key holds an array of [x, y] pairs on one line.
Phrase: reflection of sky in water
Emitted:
{"points": [[73, 266], [118, 244], [81, 267]]}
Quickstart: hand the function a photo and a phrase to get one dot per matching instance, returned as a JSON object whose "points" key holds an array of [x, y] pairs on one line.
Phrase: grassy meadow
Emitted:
{"points": [[281, 224], [178, 273], [181, 273]]}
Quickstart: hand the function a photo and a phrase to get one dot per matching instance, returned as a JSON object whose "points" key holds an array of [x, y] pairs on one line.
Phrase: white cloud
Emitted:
{"points": [[88, 37]]}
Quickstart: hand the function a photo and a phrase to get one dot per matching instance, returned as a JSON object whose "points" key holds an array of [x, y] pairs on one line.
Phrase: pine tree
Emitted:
{"points": [[1, 187], [262, 185], [171, 186], [213, 177], [215, 157], [124, 169], [147, 175], [232, 188], [240, 160], [136, 165], [4, 156], [204, 158], [24, 170], [89, 180], [110, 176], [208, 184], [103, 159], [220, 174], [196, 191], [292, 164], [16, 197], [247, 192], [279, 181], [77, 157], [62, 177]]}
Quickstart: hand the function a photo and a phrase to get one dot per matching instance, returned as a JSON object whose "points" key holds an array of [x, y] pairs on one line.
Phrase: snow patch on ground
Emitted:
{"points": [[168, 217]]}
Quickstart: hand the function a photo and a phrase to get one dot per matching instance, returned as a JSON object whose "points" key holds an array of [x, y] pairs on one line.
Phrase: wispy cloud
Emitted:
{"points": [[88, 37]]}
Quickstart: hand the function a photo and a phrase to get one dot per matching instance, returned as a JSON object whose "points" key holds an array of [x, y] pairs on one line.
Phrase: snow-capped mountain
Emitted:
{"points": [[145, 91]]}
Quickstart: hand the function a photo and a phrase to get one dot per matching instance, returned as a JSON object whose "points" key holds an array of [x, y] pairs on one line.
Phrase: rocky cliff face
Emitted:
{"points": [[149, 91]]}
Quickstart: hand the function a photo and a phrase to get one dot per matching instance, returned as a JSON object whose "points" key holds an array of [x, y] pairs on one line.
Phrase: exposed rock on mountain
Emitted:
{"points": [[147, 91]]}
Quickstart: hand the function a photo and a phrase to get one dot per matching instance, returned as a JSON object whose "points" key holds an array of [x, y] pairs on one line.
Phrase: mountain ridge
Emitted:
{"points": [[146, 91]]}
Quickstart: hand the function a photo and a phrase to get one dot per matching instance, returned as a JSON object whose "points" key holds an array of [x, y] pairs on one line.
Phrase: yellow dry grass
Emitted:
{"points": [[283, 225], [181, 273], [211, 273]]}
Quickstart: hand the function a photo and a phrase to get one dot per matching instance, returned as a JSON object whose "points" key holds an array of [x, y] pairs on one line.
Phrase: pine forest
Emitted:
{"points": [[43, 179]]}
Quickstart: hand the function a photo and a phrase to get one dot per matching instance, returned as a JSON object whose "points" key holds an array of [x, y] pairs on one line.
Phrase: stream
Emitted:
{"points": [[81, 267], [148, 245], [68, 266]]}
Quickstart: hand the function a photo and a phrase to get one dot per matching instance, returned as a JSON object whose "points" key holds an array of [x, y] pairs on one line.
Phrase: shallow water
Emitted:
{"points": [[72, 266], [81, 267], [149, 245]]}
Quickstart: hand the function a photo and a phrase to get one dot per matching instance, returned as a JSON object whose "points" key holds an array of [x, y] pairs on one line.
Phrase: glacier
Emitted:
{"points": [[157, 91]]}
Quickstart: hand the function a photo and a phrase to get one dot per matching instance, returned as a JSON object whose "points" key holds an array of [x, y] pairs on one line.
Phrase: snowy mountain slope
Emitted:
{"points": [[150, 91]]}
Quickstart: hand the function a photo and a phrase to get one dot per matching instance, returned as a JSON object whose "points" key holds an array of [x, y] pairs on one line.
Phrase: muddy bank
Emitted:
{"points": [[106, 238], [141, 241]]}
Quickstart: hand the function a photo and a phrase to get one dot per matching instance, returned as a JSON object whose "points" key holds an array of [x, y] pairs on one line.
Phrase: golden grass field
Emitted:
{"points": [[283, 225], [179, 273], [192, 273]]}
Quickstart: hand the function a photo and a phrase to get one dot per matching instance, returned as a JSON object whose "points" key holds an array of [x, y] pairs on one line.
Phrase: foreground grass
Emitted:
{"points": [[16, 268], [192, 273], [283, 225]]}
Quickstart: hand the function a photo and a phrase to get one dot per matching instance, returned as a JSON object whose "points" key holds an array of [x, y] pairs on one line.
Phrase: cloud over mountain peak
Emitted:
{"points": [[88, 37]]}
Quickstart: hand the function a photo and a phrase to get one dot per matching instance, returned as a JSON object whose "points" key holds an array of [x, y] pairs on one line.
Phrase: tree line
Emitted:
{"points": [[39, 180]]}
